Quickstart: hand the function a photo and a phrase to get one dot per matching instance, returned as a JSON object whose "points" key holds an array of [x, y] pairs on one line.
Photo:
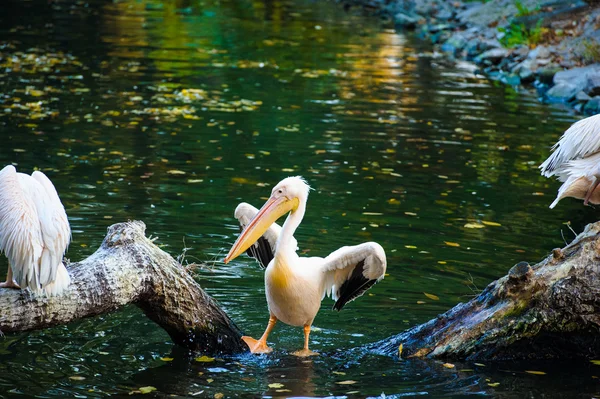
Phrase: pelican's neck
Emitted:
{"points": [[286, 243]]}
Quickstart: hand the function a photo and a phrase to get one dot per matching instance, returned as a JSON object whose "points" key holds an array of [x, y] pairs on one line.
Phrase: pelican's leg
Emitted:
{"points": [[261, 346], [590, 191], [9, 283], [305, 352]]}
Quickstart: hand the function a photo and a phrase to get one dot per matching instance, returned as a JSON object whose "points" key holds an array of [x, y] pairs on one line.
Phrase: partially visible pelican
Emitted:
{"points": [[295, 286], [576, 162], [34, 232]]}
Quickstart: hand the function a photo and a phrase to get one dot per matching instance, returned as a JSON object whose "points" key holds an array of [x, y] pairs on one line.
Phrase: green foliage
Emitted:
{"points": [[522, 9], [517, 34]]}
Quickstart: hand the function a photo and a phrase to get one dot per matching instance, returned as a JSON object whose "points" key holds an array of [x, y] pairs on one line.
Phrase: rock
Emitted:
{"points": [[520, 271], [439, 27], [444, 15], [510, 79], [455, 44], [539, 52], [402, 20], [525, 70], [493, 56], [593, 84], [546, 74], [582, 97], [577, 76], [562, 92], [592, 107]]}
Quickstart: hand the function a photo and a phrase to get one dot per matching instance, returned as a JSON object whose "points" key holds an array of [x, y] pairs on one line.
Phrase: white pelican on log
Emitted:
{"points": [[295, 286], [34, 232], [576, 162]]}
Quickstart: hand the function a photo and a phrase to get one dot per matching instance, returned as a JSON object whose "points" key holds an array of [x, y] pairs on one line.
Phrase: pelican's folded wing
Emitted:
{"points": [[20, 232], [353, 270], [263, 249]]}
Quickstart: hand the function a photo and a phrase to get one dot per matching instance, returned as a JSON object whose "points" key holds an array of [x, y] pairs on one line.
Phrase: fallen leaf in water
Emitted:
{"points": [[448, 365], [205, 359], [410, 246], [175, 172], [493, 384], [77, 378], [410, 214], [147, 389], [473, 226], [166, 359], [338, 372], [347, 382], [479, 364], [283, 390], [219, 395], [400, 351], [535, 372], [209, 380], [276, 385], [452, 244], [491, 223], [421, 302], [432, 297], [191, 181], [596, 362]]}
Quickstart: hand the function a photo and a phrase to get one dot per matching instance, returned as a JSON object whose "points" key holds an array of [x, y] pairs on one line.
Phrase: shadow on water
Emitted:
{"points": [[172, 112]]}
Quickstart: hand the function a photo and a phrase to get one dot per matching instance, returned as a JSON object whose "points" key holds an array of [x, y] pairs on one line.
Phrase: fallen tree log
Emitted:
{"points": [[129, 268], [550, 310]]}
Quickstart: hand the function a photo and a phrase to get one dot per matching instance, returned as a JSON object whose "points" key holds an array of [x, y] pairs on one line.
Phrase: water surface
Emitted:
{"points": [[173, 112]]}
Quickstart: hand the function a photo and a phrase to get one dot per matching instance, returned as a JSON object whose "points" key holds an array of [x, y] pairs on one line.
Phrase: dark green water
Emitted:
{"points": [[174, 112]]}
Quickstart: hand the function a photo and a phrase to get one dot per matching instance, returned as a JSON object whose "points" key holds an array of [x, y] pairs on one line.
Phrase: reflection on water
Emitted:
{"points": [[173, 112]]}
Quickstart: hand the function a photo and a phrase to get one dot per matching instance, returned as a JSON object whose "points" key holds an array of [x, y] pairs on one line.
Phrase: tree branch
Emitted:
{"points": [[129, 268]]}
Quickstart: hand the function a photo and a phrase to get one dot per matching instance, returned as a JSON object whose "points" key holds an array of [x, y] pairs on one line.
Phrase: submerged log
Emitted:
{"points": [[550, 310], [129, 268]]}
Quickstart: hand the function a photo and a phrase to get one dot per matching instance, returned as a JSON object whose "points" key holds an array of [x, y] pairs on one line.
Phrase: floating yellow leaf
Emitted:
{"points": [[283, 390], [410, 213], [448, 365], [147, 389], [77, 378], [166, 359], [400, 351], [535, 372], [195, 181], [493, 384], [338, 372], [479, 364], [347, 382], [205, 359], [421, 302], [219, 395], [239, 180], [452, 244], [410, 246], [175, 172], [276, 385], [473, 226], [209, 380], [596, 362], [432, 297], [491, 223]]}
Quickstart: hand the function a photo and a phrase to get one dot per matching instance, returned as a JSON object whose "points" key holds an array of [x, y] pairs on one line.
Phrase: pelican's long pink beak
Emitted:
{"points": [[273, 209]]}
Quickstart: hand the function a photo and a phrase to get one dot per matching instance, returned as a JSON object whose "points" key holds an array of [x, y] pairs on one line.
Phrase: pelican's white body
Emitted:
{"points": [[576, 161], [34, 231]]}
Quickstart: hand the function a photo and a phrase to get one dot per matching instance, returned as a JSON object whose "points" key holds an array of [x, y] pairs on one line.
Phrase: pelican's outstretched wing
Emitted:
{"points": [[353, 270], [20, 231], [578, 141], [263, 249], [56, 232]]}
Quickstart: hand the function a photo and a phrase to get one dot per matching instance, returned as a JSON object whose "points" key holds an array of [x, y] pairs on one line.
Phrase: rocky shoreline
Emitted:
{"points": [[552, 45]]}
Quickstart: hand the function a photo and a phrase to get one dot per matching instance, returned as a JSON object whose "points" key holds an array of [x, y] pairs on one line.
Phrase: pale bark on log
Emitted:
{"points": [[129, 268], [550, 310]]}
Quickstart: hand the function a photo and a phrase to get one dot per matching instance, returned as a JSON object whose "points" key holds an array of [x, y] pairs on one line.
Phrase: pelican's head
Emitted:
{"points": [[287, 196]]}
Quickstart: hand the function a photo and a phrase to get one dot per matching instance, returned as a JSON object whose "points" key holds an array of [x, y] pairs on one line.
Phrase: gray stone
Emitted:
{"points": [[525, 70], [444, 15], [456, 43], [546, 74], [402, 20], [494, 55], [592, 107], [582, 97], [562, 92], [593, 84], [439, 27], [577, 76], [539, 52]]}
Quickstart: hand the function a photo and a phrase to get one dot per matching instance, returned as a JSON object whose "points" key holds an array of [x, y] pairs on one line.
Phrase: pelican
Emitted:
{"points": [[295, 286], [34, 232], [576, 162]]}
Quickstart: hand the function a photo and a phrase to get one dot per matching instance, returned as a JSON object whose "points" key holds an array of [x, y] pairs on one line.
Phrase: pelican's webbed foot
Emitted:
{"points": [[256, 345], [305, 353], [10, 284]]}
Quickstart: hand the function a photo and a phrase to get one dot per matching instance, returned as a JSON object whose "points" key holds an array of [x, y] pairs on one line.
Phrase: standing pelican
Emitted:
{"points": [[576, 162], [295, 286], [34, 232]]}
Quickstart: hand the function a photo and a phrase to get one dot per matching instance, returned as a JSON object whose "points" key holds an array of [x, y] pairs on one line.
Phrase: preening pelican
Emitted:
{"points": [[34, 232], [295, 286], [576, 162]]}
